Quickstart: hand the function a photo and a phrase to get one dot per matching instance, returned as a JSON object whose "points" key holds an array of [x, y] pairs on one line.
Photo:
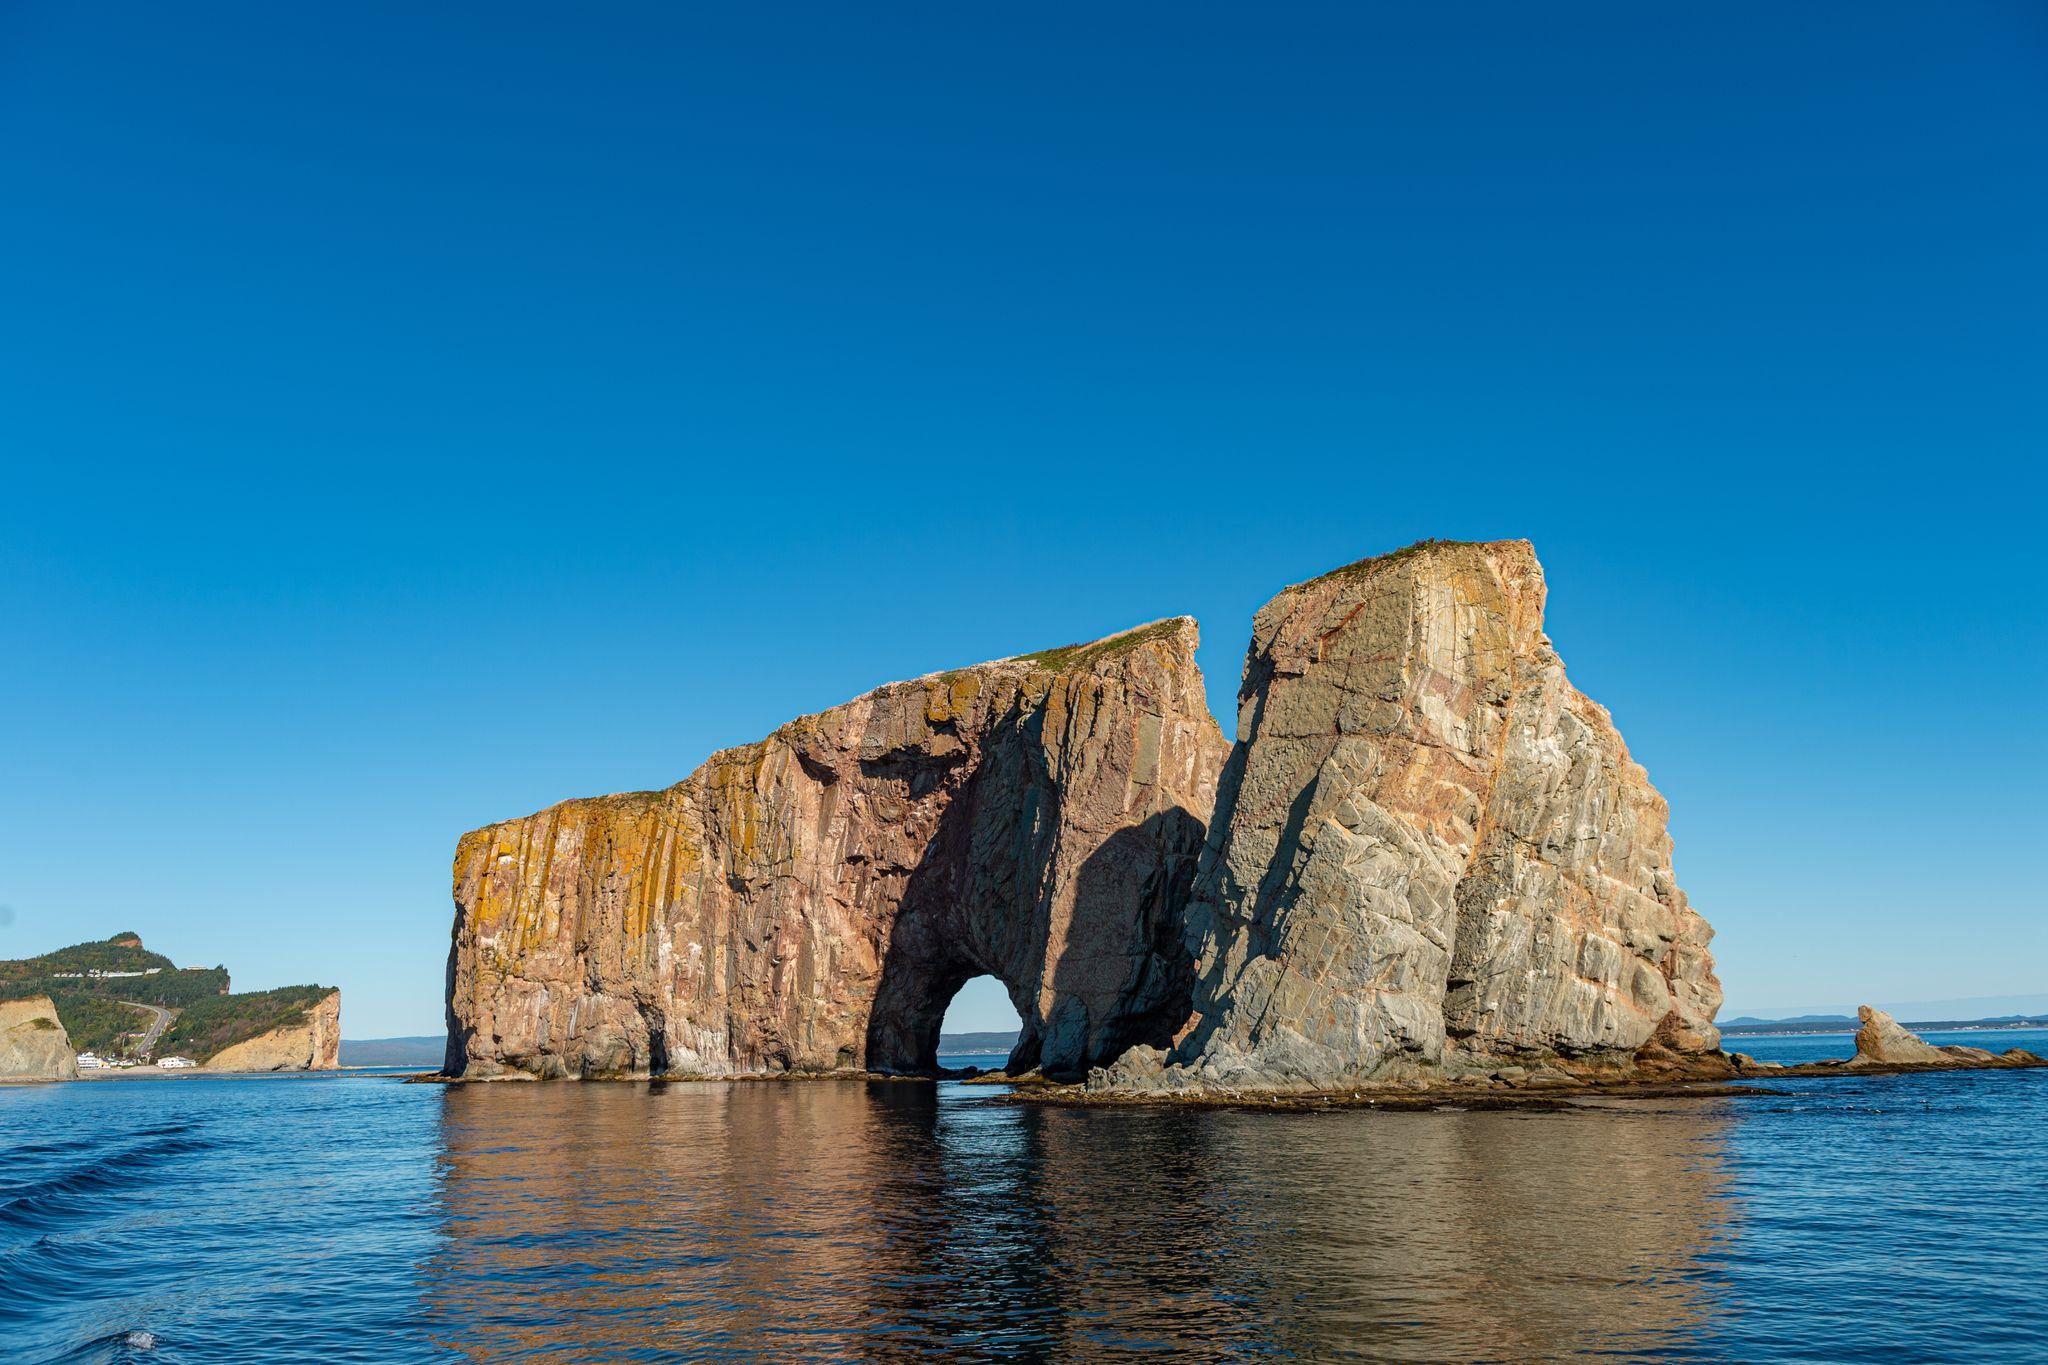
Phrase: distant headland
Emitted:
{"points": [[114, 1004]]}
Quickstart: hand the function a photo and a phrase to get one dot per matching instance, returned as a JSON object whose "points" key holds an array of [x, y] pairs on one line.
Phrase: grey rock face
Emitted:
{"points": [[811, 903], [1430, 852]]}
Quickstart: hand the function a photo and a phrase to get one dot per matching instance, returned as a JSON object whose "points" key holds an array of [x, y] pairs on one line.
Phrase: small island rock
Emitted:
{"points": [[1883, 1041]]}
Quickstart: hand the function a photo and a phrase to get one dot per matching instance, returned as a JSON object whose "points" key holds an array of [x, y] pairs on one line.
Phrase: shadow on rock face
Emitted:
{"points": [[1127, 944], [1093, 958]]}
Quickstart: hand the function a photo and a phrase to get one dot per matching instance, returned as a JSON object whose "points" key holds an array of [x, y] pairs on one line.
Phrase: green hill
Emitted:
{"points": [[92, 984]]}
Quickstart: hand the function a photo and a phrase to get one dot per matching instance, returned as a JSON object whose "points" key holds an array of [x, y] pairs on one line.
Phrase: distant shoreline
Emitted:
{"points": [[1849, 1029], [152, 1073]]}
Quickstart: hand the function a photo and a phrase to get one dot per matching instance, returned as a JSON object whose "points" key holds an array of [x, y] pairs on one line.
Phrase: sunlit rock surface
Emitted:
{"points": [[33, 1044], [811, 902], [311, 1044], [1431, 853], [1883, 1041]]}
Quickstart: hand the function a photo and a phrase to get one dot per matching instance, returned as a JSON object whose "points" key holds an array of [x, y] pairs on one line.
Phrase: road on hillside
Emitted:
{"points": [[156, 1025]]}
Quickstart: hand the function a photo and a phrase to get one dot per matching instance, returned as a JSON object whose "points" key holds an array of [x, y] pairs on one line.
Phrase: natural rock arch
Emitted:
{"points": [[1119, 974], [811, 902]]}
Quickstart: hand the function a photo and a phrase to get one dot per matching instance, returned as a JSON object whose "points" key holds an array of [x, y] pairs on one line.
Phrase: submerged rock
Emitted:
{"points": [[33, 1044], [811, 902], [1432, 854]]}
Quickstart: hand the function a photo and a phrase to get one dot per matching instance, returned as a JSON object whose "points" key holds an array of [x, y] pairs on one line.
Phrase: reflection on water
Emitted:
{"points": [[326, 1219], [879, 1221]]}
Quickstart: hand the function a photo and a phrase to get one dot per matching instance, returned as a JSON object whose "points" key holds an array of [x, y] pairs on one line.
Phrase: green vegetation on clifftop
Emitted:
{"points": [[1372, 563], [212, 1025], [1087, 652], [97, 1015]]}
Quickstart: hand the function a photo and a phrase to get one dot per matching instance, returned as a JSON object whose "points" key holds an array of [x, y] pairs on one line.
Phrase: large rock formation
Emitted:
{"points": [[1883, 1041], [33, 1044], [813, 901], [311, 1044], [1431, 854]]}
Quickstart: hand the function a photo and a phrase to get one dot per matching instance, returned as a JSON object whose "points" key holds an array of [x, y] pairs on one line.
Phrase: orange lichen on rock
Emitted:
{"points": [[810, 903]]}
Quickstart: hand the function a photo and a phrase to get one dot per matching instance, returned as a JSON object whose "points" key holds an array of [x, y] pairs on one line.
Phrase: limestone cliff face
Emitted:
{"points": [[311, 1045], [811, 902], [1430, 852], [33, 1044]]}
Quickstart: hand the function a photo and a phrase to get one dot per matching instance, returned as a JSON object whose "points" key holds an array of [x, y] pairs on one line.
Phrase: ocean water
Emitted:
{"points": [[333, 1218]]}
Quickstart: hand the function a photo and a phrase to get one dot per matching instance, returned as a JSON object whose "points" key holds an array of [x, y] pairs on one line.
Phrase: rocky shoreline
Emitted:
{"points": [[1482, 1092], [1883, 1048]]}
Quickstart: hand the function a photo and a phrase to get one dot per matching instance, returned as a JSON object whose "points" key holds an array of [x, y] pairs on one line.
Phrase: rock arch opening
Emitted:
{"points": [[910, 1011], [980, 1027]]}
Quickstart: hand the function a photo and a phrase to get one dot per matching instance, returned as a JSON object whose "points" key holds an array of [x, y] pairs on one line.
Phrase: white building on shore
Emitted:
{"points": [[91, 1061], [176, 1063]]}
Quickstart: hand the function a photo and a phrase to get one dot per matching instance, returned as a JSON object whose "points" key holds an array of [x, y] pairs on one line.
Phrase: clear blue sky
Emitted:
{"points": [[414, 416]]}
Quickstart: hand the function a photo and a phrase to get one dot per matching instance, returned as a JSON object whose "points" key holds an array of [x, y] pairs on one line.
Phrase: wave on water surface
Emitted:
{"points": [[1872, 1217]]}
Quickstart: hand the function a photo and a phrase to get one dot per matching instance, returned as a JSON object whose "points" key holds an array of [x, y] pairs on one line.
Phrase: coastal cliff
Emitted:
{"points": [[811, 902], [311, 1042], [1431, 854], [33, 1044]]}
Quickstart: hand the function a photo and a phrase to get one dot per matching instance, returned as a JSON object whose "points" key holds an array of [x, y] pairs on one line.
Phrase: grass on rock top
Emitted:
{"points": [[1377, 562], [1085, 653]]}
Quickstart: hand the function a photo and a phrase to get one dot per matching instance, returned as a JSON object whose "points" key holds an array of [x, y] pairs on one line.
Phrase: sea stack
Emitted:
{"points": [[811, 902], [1431, 855]]}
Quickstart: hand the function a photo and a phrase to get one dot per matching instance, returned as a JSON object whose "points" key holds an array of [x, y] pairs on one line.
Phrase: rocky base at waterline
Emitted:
{"points": [[1883, 1047]]}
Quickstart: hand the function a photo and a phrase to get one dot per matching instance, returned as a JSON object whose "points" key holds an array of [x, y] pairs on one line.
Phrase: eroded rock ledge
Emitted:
{"points": [[1883, 1048], [810, 903], [1432, 856]]}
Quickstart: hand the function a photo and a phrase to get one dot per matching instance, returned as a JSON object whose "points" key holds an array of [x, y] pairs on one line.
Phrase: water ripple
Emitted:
{"points": [[332, 1219]]}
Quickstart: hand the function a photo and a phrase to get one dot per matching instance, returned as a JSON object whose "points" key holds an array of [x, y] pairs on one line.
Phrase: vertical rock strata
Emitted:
{"points": [[812, 902], [1430, 852]]}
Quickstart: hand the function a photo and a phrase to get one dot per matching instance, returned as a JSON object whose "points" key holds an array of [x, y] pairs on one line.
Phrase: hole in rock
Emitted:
{"points": [[980, 1026]]}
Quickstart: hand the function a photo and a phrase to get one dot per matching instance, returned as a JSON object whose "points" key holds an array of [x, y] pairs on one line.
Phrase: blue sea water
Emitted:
{"points": [[338, 1218]]}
